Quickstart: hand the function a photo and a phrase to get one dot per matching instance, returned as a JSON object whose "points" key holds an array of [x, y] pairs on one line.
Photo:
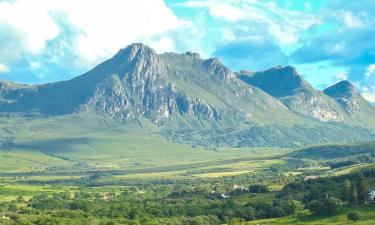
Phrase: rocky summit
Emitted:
{"points": [[183, 93]]}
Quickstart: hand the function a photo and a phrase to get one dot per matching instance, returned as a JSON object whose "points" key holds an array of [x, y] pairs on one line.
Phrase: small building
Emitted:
{"points": [[237, 187], [371, 196], [310, 178], [224, 196]]}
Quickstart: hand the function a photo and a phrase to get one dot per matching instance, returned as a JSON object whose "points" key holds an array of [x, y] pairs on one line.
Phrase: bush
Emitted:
{"points": [[316, 207], [332, 205], [258, 189], [353, 215]]}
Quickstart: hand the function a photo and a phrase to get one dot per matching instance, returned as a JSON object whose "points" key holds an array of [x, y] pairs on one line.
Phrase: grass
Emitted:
{"points": [[348, 169], [23, 160], [220, 174], [77, 142], [11, 191], [366, 213]]}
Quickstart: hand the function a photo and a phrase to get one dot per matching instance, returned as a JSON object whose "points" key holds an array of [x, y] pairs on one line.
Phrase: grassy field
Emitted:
{"points": [[82, 143], [11, 190]]}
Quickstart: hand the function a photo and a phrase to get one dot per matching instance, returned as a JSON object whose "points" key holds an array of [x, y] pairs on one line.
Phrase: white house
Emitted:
{"points": [[224, 195], [371, 195]]}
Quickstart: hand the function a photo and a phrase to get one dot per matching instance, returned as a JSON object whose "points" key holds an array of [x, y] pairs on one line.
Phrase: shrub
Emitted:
{"points": [[353, 215]]}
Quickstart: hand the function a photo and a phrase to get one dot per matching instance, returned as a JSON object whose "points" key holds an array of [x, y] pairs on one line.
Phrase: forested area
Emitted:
{"points": [[193, 204]]}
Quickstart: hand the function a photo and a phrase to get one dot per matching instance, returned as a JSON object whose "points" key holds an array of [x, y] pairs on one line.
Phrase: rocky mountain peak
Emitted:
{"points": [[342, 89], [345, 93], [138, 63], [277, 81], [194, 55], [135, 51], [216, 68], [286, 72]]}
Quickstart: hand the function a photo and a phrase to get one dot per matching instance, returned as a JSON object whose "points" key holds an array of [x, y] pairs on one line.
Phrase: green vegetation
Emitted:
{"points": [[335, 151], [184, 201], [130, 175], [353, 215], [84, 142], [190, 201]]}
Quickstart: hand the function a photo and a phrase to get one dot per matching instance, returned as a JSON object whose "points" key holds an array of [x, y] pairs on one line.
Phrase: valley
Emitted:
{"points": [[205, 182], [147, 138]]}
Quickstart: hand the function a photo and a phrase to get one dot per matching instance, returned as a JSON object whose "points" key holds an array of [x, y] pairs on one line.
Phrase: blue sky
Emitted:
{"points": [[327, 41]]}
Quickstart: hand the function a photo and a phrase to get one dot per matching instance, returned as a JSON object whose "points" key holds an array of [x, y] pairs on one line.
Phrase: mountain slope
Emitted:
{"points": [[286, 84]]}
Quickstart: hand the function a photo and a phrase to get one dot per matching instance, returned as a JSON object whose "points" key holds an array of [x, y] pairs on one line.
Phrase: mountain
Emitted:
{"points": [[346, 95], [138, 83], [183, 98], [287, 85]]}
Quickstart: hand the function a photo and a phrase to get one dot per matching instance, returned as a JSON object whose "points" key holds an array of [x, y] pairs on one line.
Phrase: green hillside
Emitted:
{"points": [[334, 151], [86, 141]]}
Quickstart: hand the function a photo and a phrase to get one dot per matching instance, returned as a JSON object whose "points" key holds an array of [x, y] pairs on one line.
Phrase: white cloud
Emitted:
{"points": [[342, 75], [4, 68], [370, 70], [164, 44], [103, 26], [108, 25], [284, 25], [351, 20], [367, 83], [34, 66], [220, 10], [32, 20], [369, 96]]}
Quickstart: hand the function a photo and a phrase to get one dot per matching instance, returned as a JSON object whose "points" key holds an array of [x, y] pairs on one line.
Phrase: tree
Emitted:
{"points": [[302, 215], [353, 215], [277, 211], [258, 189], [362, 189], [251, 213], [332, 205], [316, 207], [20, 199], [345, 192], [353, 195], [293, 207]]}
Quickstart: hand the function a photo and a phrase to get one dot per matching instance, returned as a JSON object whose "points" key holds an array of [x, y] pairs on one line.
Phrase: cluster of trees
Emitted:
{"points": [[362, 158], [326, 196], [127, 208], [355, 191]]}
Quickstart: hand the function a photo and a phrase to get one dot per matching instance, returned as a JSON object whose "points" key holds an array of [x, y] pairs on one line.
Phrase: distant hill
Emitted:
{"points": [[335, 151]]}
